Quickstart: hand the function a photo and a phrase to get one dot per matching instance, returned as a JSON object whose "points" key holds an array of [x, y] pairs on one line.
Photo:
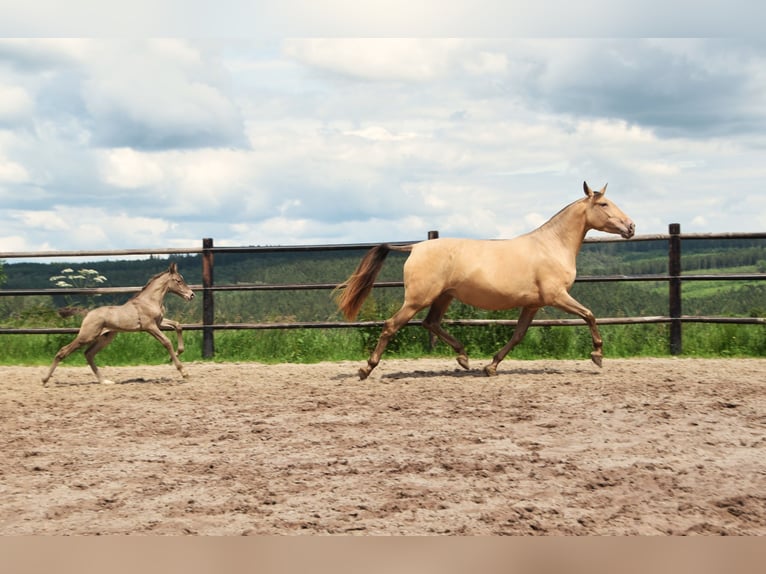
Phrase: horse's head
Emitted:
{"points": [[177, 285], [604, 215]]}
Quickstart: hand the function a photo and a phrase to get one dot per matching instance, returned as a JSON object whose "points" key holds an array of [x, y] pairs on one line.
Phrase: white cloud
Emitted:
{"points": [[125, 167], [379, 133], [42, 220], [158, 94], [12, 172], [15, 104], [163, 142], [394, 59]]}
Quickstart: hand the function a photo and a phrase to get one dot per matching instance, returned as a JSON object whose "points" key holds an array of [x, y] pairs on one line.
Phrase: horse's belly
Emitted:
{"points": [[494, 299], [120, 318]]}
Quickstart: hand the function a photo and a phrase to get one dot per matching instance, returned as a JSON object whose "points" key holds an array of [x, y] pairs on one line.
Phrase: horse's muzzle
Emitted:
{"points": [[629, 230]]}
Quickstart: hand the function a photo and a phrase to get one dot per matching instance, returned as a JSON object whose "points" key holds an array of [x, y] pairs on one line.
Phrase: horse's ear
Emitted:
{"points": [[172, 268], [603, 189], [588, 191]]}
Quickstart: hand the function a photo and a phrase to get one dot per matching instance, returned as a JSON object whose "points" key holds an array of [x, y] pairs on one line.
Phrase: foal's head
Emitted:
{"points": [[604, 215], [176, 283]]}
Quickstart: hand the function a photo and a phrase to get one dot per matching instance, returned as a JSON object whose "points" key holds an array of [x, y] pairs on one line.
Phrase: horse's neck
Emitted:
{"points": [[567, 228], [154, 292]]}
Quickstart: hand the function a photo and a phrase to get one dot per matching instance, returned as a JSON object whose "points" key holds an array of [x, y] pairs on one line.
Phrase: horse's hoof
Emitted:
{"points": [[490, 371], [597, 358], [363, 373], [462, 360]]}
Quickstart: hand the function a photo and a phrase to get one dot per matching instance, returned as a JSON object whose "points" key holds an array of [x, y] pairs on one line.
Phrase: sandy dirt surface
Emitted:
{"points": [[646, 446]]}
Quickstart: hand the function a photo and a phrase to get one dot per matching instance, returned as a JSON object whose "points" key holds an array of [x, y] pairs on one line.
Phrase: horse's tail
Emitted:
{"points": [[358, 286]]}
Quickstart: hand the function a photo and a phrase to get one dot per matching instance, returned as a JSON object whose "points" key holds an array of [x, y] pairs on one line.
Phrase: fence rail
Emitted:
{"points": [[208, 326]]}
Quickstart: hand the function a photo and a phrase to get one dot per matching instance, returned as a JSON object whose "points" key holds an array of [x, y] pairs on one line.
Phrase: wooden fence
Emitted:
{"points": [[208, 326]]}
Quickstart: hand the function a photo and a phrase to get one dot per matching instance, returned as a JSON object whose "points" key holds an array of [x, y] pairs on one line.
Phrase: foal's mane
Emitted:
{"points": [[151, 279]]}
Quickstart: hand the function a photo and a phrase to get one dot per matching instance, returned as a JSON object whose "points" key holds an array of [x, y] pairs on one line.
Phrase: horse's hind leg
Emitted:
{"points": [[390, 327], [525, 319], [62, 354], [432, 322], [90, 353]]}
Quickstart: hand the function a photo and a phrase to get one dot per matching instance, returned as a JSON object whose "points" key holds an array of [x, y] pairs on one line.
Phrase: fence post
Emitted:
{"points": [[432, 338], [208, 310], [674, 295]]}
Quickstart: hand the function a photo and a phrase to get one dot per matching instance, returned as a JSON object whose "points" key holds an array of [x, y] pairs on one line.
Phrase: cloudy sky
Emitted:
{"points": [[149, 142]]}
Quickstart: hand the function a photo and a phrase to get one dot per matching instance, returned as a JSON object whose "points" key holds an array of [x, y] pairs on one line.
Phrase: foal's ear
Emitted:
{"points": [[172, 268]]}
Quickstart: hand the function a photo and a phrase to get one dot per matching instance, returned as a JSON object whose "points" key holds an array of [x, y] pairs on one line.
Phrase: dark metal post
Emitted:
{"points": [[674, 271], [208, 310], [433, 235]]}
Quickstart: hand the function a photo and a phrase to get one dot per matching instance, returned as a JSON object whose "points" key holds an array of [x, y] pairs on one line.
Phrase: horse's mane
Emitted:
{"points": [[563, 209], [151, 279]]}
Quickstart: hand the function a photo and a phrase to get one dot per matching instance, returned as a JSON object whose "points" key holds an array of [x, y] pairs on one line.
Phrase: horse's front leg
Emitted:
{"points": [[155, 332], [177, 326], [569, 304]]}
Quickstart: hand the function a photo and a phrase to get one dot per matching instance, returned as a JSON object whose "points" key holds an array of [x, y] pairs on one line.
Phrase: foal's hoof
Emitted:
{"points": [[490, 371], [597, 358], [462, 360], [363, 373]]}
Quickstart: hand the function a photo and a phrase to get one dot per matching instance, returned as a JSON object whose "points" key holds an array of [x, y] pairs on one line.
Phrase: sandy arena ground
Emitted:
{"points": [[646, 446]]}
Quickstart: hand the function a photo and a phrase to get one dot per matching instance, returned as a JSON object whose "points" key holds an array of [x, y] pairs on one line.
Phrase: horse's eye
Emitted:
{"points": [[603, 204]]}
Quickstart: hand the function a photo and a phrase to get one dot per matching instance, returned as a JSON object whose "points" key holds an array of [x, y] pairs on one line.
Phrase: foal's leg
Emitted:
{"points": [[63, 353], [155, 332], [390, 327], [432, 322], [97, 346], [567, 303], [177, 326], [525, 319]]}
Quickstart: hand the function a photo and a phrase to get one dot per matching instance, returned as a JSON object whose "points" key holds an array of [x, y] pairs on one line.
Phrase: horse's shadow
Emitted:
{"points": [[133, 381], [473, 373]]}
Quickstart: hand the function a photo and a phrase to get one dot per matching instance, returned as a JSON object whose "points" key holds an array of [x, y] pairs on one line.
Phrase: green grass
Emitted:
{"points": [[315, 345]]}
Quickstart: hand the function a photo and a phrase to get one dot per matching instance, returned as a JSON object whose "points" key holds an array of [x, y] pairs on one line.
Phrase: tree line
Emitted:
{"points": [[332, 267]]}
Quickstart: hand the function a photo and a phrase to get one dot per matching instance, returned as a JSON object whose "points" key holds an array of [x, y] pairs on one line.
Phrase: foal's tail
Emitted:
{"points": [[357, 287]]}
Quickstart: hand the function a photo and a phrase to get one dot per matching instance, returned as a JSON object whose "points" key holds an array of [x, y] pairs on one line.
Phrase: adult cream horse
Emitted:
{"points": [[142, 312], [530, 271]]}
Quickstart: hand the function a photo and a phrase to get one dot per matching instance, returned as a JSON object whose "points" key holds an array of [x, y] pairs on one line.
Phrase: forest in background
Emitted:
{"points": [[725, 298], [742, 298]]}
